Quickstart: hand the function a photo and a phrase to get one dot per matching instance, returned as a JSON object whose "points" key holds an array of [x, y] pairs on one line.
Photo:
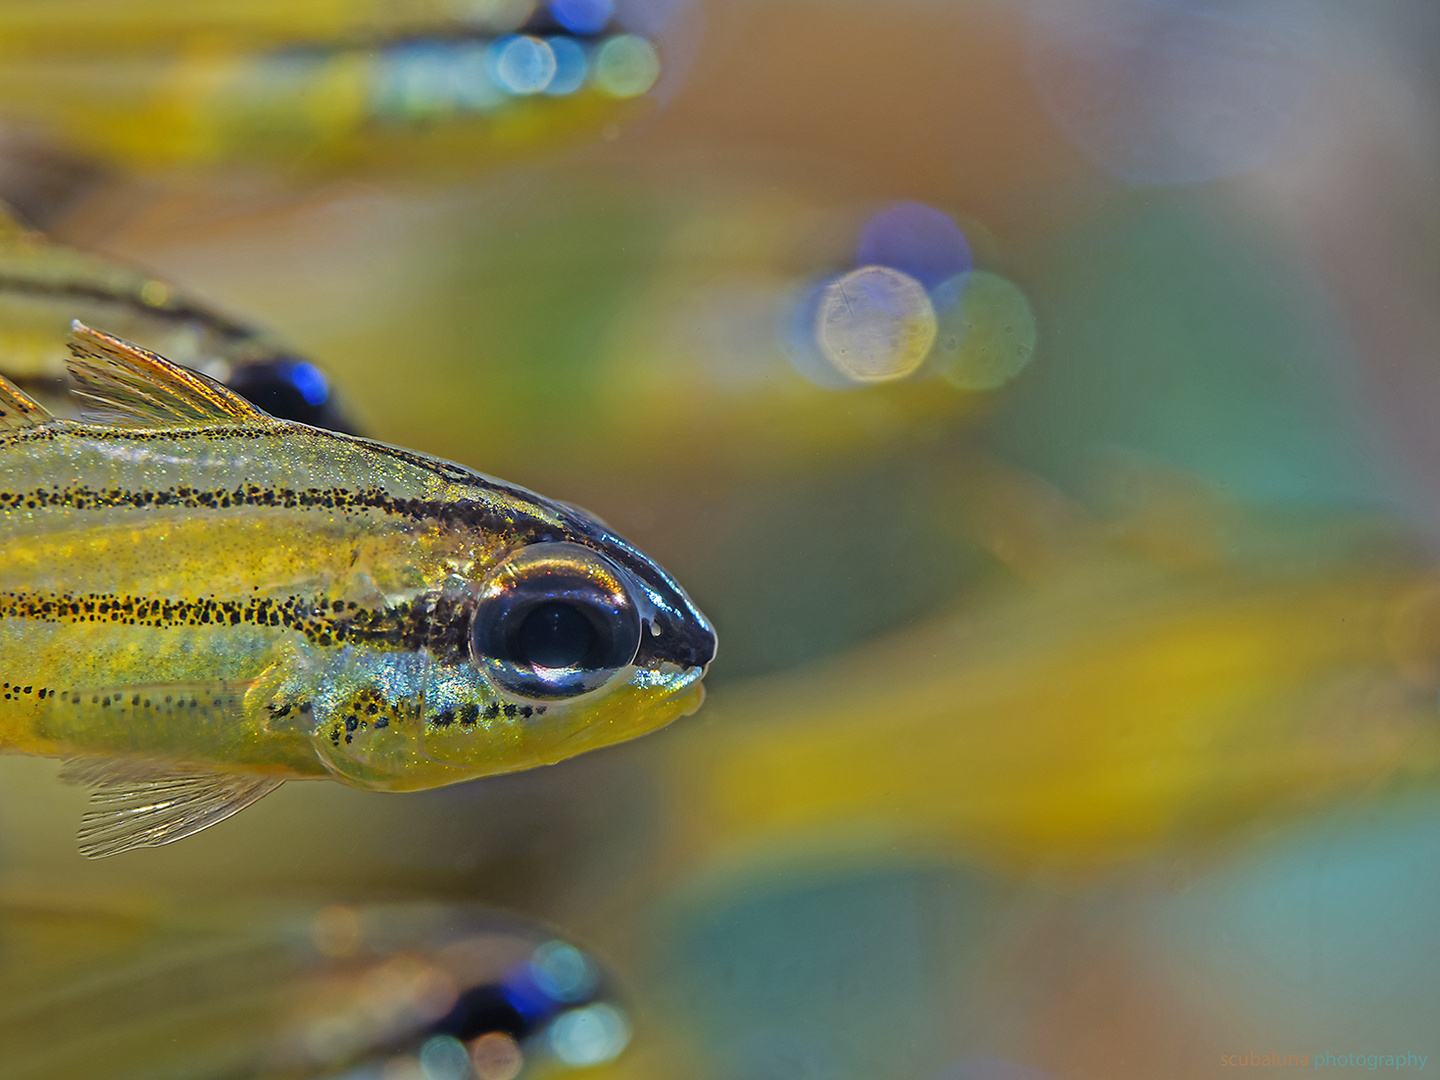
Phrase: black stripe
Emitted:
{"points": [[440, 624], [458, 514], [81, 497], [170, 310], [461, 512]]}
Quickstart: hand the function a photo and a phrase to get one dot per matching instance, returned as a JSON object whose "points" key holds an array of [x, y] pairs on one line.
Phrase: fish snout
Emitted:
{"points": [[686, 643]]}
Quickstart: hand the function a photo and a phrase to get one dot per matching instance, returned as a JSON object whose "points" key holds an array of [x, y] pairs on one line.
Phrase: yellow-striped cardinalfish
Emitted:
{"points": [[287, 993], [199, 601], [44, 285], [323, 85], [1155, 680]]}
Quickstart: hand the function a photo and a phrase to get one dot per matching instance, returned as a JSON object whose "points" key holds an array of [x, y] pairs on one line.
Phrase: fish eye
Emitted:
{"points": [[289, 389], [554, 620]]}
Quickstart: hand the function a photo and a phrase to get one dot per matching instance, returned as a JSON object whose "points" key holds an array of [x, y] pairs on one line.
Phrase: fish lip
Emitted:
{"points": [[687, 643]]}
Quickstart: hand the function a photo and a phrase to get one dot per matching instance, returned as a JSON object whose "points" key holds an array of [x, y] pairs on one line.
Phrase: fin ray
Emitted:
{"points": [[128, 386], [18, 410], [140, 803]]}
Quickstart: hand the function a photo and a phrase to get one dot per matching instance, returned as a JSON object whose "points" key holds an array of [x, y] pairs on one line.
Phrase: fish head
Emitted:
{"points": [[573, 640]]}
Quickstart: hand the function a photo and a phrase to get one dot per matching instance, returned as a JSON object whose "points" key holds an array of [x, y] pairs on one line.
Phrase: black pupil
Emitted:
{"points": [[555, 635]]}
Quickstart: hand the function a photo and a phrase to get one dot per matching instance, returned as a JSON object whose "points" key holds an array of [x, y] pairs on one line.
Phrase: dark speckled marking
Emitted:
{"points": [[134, 701], [469, 714], [183, 497], [440, 624], [461, 513], [370, 710], [14, 691]]}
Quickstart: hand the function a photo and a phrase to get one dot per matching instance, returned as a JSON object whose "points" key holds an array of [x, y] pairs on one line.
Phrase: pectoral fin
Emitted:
{"points": [[147, 804]]}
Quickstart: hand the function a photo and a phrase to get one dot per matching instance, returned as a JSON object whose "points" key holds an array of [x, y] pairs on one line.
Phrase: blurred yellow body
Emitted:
{"points": [[315, 85], [1093, 714]]}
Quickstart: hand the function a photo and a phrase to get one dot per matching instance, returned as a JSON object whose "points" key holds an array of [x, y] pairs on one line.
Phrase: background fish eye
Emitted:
{"points": [[554, 620], [291, 389]]}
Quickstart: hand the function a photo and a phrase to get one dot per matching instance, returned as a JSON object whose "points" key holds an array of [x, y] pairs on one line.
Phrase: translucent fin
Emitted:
{"points": [[126, 385], [18, 409], [146, 804], [108, 772]]}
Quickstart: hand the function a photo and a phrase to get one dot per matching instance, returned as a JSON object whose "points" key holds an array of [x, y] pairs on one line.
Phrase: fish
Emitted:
{"points": [[1156, 682], [92, 989], [323, 88], [45, 284], [199, 601]]}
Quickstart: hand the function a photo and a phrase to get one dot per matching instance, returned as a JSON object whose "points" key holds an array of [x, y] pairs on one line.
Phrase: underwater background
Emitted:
{"points": [[1041, 399]]}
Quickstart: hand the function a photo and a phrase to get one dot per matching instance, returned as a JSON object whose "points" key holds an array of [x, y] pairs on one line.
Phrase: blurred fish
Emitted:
{"points": [[290, 992], [198, 601], [1151, 682], [685, 303], [44, 285], [322, 85]]}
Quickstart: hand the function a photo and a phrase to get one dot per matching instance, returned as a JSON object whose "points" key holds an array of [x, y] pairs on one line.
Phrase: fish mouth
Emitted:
{"points": [[691, 644]]}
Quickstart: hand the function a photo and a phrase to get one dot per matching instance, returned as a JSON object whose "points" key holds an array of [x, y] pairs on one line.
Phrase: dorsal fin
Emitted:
{"points": [[125, 385], [18, 409]]}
